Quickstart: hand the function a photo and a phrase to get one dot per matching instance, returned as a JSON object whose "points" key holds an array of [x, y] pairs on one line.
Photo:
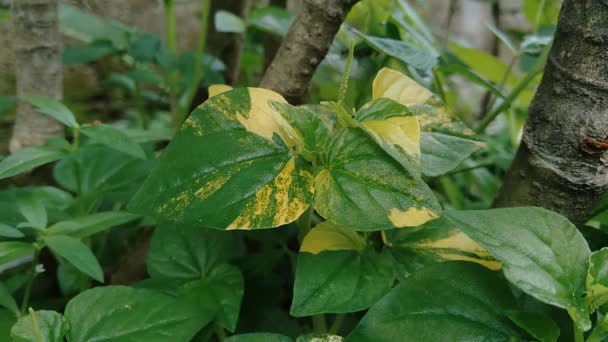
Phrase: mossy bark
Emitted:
{"points": [[38, 69], [562, 163]]}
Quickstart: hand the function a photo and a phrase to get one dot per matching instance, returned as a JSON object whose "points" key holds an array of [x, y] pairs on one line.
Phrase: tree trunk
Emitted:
{"points": [[38, 69], [562, 162], [304, 47]]}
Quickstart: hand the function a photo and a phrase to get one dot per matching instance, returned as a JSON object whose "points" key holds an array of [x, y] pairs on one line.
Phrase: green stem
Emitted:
{"points": [[35, 326], [346, 76], [200, 52], [521, 86], [599, 332], [171, 38], [220, 333], [170, 25], [319, 325], [579, 335], [337, 324], [28, 289]]}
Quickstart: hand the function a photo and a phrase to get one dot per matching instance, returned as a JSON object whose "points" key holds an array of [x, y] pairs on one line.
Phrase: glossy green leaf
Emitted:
{"points": [[32, 208], [114, 138], [76, 253], [13, 252], [187, 253], [408, 53], [124, 314], [538, 325], [84, 226], [53, 108], [28, 158], [258, 337], [228, 22], [7, 320], [51, 325], [69, 279], [340, 281], [243, 175], [7, 300], [597, 279], [452, 301], [363, 188], [313, 129], [220, 291], [274, 20], [9, 232], [542, 253]]}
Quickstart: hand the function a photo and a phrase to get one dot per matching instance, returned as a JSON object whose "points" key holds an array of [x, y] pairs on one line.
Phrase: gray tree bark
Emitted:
{"points": [[38, 69], [562, 163], [304, 47]]}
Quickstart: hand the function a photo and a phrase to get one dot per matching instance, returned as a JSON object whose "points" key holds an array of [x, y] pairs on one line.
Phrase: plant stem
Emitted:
{"points": [[220, 333], [200, 53], [170, 25], [337, 324], [319, 325], [346, 76], [579, 335], [173, 77], [521, 86], [28, 289], [35, 326]]}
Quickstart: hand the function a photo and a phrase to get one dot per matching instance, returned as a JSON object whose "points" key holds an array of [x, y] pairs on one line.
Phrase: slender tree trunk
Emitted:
{"points": [[304, 47], [562, 162], [38, 69]]}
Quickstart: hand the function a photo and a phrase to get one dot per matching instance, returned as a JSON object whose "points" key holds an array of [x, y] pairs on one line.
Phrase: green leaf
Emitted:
{"points": [[221, 291], [120, 313], [10, 232], [243, 175], [316, 337], [186, 253], [542, 253], [442, 153], [88, 53], [363, 188], [28, 158], [538, 325], [32, 209], [51, 325], [77, 254], [7, 300], [52, 108], [471, 75], [597, 279], [435, 241], [12, 252], [258, 337], [84, 26], [485, 64], [144, 47], [340, 281], [410, 54], [228, 22], [85, 226], [313, 129], [115, 139], [273, 20], [7, 320], [451, 301]]}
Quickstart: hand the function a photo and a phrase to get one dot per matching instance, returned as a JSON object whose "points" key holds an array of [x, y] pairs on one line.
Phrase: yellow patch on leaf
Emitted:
{"points": [[461, 242], [411, 217], [327, 236], [401, 131], [210, 187], [216, 89], [263, 120], [274, 197], [394, 85]]}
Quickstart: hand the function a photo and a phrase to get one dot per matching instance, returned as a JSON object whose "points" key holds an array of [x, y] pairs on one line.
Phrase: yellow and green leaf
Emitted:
{"points": [[363, 188], [327, 236], [230, 166]]}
